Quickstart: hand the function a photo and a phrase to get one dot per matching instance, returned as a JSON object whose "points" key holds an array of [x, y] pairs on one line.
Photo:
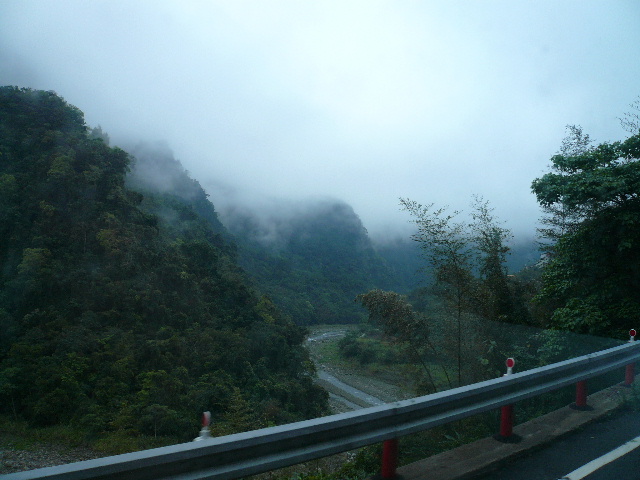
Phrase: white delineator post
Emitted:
{"points": [[506, 412], [205, 432], [629, 374], [510, 363]]}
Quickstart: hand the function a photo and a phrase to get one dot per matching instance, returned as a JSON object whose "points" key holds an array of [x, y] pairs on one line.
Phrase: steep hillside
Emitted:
{"points": [[117, 319], [155, 171], [312, 260]]}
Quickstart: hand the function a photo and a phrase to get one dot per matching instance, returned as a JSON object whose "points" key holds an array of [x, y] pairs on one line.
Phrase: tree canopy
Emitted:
{"points": [[114, 317], [592, 277]]}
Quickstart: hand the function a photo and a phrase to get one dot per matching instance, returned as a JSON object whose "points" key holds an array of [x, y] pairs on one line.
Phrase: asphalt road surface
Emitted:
{"points": [[580, 455]]}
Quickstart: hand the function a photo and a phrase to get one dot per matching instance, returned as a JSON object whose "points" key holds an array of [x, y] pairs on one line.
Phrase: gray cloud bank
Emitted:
{"points": [[362, 101]]}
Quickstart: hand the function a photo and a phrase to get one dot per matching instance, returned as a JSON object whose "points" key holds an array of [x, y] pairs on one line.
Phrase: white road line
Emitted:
{"points": [[594, 465]]}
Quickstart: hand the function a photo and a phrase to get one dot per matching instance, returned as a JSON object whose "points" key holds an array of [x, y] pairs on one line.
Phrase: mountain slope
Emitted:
{"points": [[312, 260], [117, 319]]}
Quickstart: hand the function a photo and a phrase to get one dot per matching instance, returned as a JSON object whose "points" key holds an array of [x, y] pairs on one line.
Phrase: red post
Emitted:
{"points": [[581, 394], [389, 458], [506, 421], [629, 373], [506, 412]]}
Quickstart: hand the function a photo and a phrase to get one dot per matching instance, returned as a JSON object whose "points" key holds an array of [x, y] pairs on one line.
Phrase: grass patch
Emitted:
{"points": [[369, 355], [18, 435], [326, 352], [115, 443]]}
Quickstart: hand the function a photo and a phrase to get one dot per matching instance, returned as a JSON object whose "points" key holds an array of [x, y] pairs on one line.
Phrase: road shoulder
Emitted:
{"points": [[485, 455]]}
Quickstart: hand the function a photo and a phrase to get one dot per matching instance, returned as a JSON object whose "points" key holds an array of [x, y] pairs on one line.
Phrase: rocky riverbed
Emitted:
{"points": [[350, 388], [15, 457]]}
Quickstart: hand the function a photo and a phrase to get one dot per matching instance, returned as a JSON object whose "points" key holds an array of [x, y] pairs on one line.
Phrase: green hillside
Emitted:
{"points": [[123, 311], [313, 261]]}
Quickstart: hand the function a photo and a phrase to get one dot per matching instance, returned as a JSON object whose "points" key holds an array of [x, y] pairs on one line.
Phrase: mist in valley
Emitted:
{"points": [[270, 107]]}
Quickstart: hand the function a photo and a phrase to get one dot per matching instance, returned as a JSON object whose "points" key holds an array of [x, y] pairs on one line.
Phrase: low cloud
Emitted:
{"points": [[359, 101]]}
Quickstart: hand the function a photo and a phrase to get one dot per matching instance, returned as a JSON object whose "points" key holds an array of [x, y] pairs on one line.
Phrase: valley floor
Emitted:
{"points": [[349, 386]]}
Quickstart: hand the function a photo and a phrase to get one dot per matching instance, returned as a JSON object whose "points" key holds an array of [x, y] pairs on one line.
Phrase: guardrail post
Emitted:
{"points": [[506, 421], [629, 373], [506, 414], [581, 396], [389, 458]]}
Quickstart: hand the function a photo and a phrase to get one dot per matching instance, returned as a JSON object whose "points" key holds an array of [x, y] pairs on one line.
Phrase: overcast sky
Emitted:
{"points": [[364, 101]]}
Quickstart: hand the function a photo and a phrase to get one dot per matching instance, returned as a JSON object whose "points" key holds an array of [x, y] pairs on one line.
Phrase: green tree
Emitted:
{"points": [[407, 328], [467, 260], [591, 279], [498, 298], [447, 246], [560, 216], [631, 120]]}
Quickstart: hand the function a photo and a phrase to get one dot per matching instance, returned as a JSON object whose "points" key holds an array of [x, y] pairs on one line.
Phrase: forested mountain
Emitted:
{"points": [[311, 258], [123, 311], [155, 171], [313, 261]]}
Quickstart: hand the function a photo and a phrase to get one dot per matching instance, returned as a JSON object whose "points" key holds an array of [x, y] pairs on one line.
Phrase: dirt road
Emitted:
{"points": [[349, 390]]}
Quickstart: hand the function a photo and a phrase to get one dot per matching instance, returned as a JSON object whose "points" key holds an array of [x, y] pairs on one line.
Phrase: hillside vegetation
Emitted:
{"points": [[129, 305], [123, 311]]}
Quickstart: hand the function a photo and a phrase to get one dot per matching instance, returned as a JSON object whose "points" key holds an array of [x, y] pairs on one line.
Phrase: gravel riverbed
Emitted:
{"points": [[40, 455]]}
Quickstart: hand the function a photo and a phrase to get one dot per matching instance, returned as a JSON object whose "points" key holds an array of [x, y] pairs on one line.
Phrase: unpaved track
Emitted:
{"points": [[370, 400], [348, 390]]}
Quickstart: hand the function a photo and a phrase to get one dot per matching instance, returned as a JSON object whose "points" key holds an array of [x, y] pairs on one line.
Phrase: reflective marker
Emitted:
{"points": [[510, 363]]}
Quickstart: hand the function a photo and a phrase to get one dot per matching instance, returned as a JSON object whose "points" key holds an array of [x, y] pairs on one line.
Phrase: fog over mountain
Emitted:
{"points": [[274, 103]]}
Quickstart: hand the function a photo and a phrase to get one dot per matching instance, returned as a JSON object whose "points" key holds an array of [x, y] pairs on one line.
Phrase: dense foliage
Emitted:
{"points": [[592, 279], [115, 318], [314, 262], [312, 258], [466, 263]]}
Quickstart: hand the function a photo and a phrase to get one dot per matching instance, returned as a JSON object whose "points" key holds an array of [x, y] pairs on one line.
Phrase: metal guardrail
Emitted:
{"points": [[248, 453]]}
